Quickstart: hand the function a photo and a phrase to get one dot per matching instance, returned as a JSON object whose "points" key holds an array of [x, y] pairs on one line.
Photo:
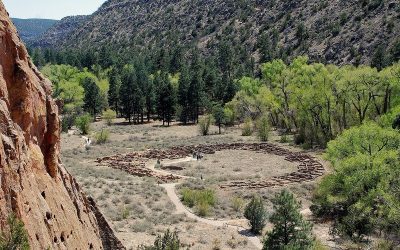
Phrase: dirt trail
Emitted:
{"points": [[180, 208], [142, 164]]}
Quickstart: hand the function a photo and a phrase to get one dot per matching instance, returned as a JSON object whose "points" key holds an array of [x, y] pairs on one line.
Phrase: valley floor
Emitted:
{"points": [[140, 208]]}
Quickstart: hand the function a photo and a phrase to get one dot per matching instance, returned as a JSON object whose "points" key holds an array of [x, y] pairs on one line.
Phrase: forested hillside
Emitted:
{"points": [[31, 29], [337, 32]]}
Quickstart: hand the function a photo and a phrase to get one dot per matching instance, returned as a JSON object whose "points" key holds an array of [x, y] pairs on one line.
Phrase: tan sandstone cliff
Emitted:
{"points": [[33, 183]]}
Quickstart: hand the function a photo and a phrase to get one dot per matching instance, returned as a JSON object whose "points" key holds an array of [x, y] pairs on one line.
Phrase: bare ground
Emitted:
{"points": [[139, 209]]}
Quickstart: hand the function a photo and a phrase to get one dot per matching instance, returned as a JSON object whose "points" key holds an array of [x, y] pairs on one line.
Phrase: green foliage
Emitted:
{"points": [[247, 129], [237, 204], [256, 215], [109, 116], [202, 200], [229, 116], [102, 136], [15, 236], [290, 230], [114, 89], [219, 116], [317, 101], [263, 128], [168, 241], [166, 98], [93, 100], [362, 193], [83, 123], [204, 124]]}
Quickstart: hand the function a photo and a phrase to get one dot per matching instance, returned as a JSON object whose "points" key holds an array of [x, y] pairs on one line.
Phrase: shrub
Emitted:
{"points": [[229, 116], [204, 124], [68, 120], [284, 138], [256, 215], [83, 123], [102, 136], [237, 204], [247, 127], [168, 241], [109, 116], [15, 237], [263, 129], [202, 200], [290, 230]]}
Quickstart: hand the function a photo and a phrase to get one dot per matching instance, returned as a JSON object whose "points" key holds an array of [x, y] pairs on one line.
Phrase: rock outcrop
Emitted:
{"points": [[33, 183]]}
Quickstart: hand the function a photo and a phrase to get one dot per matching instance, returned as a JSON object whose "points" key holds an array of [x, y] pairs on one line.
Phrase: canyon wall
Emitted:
{"points": [[33, 183]]}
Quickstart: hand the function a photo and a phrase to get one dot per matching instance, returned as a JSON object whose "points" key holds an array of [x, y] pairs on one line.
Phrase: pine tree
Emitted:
{"points": [[166, 98], [114, 89], [183, 94], [256, 215], [265, 46], [127, 95], [143, 86], [196, 87], [290, 231], [93, 102]]}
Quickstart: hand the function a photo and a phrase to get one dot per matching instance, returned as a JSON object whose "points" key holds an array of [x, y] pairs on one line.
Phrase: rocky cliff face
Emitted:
{"points": [[33, 183]]}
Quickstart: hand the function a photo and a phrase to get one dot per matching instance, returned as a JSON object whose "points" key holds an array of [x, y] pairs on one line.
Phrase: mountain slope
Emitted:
{"points": [[58, 32], [30, 29], [334, 31]]}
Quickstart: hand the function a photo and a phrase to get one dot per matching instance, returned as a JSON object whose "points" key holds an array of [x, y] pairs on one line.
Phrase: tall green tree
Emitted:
{"points": [[166, 99], [183, 94], [114, 89], [290, 230], [93, 100], [196, 87], [126, 93], [361, 195]]}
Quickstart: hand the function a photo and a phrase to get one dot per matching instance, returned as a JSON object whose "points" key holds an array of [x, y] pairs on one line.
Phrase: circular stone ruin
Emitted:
{"points": [[307, 167]]}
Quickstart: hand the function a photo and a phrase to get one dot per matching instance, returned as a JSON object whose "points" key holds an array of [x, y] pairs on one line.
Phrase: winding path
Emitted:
{"points": [[142, 164], [180, 208]]}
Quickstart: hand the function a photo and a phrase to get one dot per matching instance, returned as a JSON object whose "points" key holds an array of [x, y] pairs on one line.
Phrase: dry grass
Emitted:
{"points": [[138, 209]]}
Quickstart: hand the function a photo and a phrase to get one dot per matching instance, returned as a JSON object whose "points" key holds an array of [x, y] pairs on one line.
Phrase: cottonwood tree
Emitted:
{"points": [[362, 193]]}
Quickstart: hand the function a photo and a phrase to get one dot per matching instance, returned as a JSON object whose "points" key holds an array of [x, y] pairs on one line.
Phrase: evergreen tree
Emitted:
{"points": [[93, 101], [166, 98], [143, 85], [114, 89], [265, 46], [177, 59], [379, 58], [126, 94], [38, 58], [183, 94], [256, 215], [196, 87], [212, 80], [290, 230]]}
